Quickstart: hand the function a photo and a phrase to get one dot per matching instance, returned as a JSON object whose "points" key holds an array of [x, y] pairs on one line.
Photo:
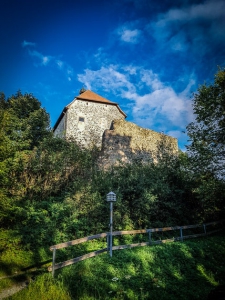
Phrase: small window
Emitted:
{"points": [[81, 119]]}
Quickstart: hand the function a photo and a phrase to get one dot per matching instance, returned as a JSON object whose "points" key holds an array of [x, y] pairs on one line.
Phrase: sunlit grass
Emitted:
{"points": [[180, 270], [12, 256], [17, 264], [168, 271], [208, 275], [44, 288]]}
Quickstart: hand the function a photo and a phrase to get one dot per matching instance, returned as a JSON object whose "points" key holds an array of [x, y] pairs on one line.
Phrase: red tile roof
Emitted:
{"points": [[91, 96], [88, 96]]}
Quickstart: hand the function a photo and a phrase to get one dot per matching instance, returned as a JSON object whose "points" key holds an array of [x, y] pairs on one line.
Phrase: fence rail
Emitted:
{"points": [[120, 233], [78, 241]]}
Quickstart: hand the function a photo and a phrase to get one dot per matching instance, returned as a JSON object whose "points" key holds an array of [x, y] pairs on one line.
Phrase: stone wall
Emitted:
{"points": [[60, 131], [126, 142], [104, 125], [86, 121]]}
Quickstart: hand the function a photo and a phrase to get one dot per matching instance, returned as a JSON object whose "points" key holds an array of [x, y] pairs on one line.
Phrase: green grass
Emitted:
{"points": [[43, 288], [18, 264], [181, 270]]}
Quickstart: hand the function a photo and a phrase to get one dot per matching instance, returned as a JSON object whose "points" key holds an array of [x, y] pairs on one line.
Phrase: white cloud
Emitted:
{"points": [[191, 27], [175, 133], [63, 66], [129, 33], [130, 36], [130, 69], [45, 60], [28, 44], [49, 60], [209, 10], [162, 104], [42, 59], [60, 64], [108, 78], [153, 102], [69, 72]]}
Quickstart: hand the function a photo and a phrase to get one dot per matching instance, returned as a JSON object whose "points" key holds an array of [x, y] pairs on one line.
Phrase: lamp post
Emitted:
{"points": [[111, 197]]}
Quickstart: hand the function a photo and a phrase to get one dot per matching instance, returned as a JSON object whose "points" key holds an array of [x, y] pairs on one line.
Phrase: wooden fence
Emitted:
{"points": [[150, 242]]}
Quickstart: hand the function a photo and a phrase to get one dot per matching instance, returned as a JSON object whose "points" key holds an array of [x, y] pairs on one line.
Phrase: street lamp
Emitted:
{"points": [[111, 197]]}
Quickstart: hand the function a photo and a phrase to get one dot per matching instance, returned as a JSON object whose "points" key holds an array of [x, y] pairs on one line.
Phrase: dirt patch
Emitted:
{"points": [[13, 289]]}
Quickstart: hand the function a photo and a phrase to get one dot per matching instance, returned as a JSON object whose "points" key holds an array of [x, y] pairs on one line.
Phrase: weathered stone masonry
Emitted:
{"points": [[86, 119], [97, 117], [126, 141], [91, 119]]}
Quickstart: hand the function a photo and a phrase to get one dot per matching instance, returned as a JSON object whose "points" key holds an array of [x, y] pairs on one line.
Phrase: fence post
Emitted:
{"points": [[111, 229], [181, 234], [204, 226], [53, 261], [107, 240], [150, 237]]}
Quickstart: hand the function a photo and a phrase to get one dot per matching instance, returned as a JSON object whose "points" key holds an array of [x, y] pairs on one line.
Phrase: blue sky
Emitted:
{"points": [[148, 56]]}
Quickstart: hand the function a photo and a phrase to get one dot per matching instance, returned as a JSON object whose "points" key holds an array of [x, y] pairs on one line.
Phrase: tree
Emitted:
{"points": [[24, 124], [32, 121], [207, 148], [207, 132]]}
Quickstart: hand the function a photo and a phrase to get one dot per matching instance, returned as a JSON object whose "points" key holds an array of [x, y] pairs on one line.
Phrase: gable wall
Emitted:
{"points": [[60, 130], [97, 118]]}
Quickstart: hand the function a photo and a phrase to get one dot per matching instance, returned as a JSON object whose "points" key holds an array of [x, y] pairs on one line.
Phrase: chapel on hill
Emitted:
{"points": [[86, 118]]}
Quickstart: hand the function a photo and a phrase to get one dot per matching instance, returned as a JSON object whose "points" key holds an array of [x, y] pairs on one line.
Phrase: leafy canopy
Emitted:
{"points": [[207, 132], [23, 123]]}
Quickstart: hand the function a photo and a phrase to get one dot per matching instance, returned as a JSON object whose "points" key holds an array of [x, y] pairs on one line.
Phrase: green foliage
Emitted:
{"points": [[52, 191], [24, 124], [45, 288], [207, 131], [188, 270], [57, 193], [159, 272], [148, 195], [207, 148]]}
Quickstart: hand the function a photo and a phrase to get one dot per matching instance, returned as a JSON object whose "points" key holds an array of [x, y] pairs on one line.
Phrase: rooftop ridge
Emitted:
{"points": [[91, 96]]}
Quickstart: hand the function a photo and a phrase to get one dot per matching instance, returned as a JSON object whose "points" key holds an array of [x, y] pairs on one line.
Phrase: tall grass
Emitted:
{"points": [[44, 288], [181, 270]]}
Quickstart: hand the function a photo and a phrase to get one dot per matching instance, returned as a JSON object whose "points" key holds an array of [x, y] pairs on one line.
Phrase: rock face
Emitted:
{"points": [[126, 142]]}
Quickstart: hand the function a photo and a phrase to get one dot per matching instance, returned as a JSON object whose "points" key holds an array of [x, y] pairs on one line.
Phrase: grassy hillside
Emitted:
{"points": [[52, 191], [181, 270]]}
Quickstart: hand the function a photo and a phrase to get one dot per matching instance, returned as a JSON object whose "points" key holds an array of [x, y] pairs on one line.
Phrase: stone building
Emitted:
{"points": [[86, 118], [93, 120]]}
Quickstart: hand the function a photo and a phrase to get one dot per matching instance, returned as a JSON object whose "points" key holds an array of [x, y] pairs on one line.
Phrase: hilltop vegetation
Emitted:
{"points": [[53, 191]]}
